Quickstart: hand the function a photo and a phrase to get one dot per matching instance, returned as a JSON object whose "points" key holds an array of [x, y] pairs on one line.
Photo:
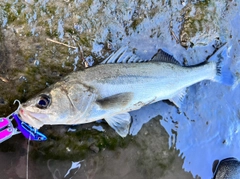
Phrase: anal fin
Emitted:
{"points": [[178, 97], [120, 123]]}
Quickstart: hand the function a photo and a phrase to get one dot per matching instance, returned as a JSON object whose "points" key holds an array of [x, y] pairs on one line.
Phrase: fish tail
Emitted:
{"points": [[223, 62]]}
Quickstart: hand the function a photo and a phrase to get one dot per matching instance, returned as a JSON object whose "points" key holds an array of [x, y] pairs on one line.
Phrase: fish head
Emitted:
{"points": [[49, 107], [62, 103]]}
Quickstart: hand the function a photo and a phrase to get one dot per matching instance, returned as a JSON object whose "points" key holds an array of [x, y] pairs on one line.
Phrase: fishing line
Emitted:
{"points": [[28, 147]]}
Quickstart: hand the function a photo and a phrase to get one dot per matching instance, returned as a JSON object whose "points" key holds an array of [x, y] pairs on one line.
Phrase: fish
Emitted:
{"points": [[121, 83], [228, 168]]}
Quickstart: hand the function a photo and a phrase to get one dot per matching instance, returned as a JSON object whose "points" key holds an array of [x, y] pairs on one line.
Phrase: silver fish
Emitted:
{"points": [[228, 168], [119, 85]]}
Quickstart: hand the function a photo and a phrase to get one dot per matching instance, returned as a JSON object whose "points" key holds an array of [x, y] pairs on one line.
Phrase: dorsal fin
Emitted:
{"points": [[122, 56], [162, 56]]}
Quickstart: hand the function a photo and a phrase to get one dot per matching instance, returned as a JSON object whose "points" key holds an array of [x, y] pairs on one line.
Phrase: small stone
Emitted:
{"points": [[2, 101], [94, 148], [23, 78], [31, 60], [36, 62]]}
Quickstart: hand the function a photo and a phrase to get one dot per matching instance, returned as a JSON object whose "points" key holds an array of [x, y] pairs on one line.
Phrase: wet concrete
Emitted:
{"points": [[146, 155]]}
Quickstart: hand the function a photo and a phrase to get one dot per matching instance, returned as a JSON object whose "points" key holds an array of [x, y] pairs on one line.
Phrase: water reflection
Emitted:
{"points": [[58, 173]]}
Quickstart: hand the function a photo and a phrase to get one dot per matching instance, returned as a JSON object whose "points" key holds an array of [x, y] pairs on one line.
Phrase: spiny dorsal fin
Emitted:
{"points": [[122, 56], [162, 56]]}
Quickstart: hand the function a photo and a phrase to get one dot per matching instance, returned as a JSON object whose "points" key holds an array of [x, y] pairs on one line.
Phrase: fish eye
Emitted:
{"points": [[44, 101]]}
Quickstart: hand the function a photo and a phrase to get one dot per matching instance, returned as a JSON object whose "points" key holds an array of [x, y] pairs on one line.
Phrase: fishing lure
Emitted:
{"points": [[28, 131], [7, 130]]}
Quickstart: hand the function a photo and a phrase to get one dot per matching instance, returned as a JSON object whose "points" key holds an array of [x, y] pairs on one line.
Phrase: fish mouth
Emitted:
{"points": [[33, 119]]}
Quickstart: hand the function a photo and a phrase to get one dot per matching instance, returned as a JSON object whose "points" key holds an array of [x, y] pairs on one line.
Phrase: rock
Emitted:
{"points": [[94, 148]]}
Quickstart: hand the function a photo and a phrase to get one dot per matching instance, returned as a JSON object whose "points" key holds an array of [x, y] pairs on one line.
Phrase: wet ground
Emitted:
{"points": [[42, 41], [146, 155]]}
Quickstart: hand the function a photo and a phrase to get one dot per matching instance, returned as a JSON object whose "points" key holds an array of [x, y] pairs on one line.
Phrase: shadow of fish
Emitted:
{"points": [[228, 168], [119, 85]]}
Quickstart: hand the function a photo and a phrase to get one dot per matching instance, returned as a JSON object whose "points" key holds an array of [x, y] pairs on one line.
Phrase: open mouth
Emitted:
{"points": [[31, 118]]}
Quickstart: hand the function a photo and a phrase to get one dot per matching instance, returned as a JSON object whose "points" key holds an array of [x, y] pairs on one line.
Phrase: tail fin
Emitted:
{"points": [[223, 62]]}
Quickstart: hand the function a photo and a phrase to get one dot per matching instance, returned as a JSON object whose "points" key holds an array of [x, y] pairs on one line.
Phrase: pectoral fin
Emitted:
{"points": [[120, 123], [116, 101], [178, 97]]}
